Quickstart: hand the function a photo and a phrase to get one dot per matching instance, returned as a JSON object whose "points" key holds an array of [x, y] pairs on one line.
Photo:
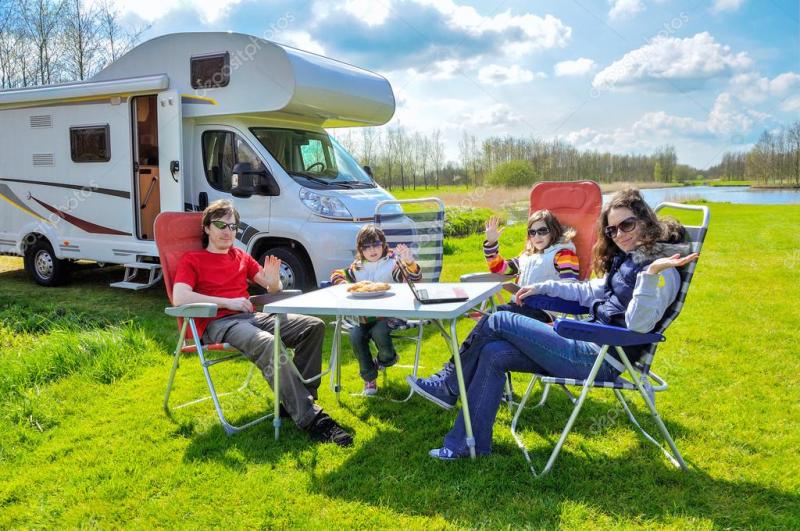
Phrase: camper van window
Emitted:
{"points": [[314, 159], [211, 71], [222, 150], [90, 144]]}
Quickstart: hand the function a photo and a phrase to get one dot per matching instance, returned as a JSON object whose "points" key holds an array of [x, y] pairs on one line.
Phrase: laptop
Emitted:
{"points": [[437, 295]]}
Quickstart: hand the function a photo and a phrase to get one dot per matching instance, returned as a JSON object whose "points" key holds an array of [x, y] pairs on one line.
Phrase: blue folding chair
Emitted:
{"points": [[639, 376], [418, 224]]}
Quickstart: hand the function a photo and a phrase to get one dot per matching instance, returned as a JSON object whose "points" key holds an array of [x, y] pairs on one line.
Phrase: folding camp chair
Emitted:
{"points": [[639, 376], [418, 224], [575, 204], [175, 234]]}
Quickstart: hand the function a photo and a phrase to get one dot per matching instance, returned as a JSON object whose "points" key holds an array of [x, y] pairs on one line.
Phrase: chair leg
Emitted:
{"points": [[545, 394], [515, 419], [415, 369], [574, 415], [675, 457], [508, 393], [175, 363]]}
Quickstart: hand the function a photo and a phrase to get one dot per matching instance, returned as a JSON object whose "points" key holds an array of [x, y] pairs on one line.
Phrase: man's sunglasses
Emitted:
{"points": [[625, 225], [221, 225], [541, 231], [372, 245]]}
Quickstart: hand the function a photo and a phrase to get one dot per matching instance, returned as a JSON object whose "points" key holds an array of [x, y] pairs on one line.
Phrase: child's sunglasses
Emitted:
{"points": [[541, 231], [372, 245], [625, 225], [221, 225]]}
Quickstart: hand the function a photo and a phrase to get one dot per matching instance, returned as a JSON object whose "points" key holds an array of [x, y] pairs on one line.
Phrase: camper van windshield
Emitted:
{"points": [[315, 159]]}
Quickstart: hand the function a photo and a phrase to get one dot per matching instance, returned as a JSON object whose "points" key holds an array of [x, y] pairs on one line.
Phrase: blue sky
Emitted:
{"points": [[620, 75]]}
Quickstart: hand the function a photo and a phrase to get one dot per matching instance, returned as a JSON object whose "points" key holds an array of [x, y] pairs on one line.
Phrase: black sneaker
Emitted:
{"points": [[325, 429]]}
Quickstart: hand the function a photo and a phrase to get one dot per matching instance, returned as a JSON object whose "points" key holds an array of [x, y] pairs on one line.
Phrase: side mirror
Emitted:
{"points": [[245, 181], [368, 171]]}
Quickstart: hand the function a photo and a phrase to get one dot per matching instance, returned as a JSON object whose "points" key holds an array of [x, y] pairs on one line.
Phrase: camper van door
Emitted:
{"points": [[170, 147], [220, 149]]}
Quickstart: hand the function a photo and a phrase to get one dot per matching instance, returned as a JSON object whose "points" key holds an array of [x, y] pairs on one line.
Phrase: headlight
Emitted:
{"points": [[324, 205]]}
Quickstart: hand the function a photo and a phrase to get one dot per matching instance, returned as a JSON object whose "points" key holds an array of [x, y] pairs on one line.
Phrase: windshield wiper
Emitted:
{"points": [[310, 177]]}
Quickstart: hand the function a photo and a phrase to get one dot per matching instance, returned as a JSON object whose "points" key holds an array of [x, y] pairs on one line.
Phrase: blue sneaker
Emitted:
{"points": [[445, 454], [435, 391]]}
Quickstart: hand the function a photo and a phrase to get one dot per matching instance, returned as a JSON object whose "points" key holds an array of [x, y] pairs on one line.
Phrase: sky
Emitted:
{"points": [[625, 76]]}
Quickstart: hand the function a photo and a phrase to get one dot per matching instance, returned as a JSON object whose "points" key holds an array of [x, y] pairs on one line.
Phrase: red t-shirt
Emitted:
{"points": [[217, 275]]}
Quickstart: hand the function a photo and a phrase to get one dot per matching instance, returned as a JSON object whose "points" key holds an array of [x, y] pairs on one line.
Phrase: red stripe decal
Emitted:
{"points": [[85, 225]]}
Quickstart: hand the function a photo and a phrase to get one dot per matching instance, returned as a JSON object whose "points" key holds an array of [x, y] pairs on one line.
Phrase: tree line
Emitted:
{"points": [[55, 41], [399, 158], [773, 160]]}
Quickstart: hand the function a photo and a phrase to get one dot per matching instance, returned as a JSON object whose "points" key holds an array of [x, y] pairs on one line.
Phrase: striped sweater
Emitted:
{"points": [[557, 262], [387, 269]]}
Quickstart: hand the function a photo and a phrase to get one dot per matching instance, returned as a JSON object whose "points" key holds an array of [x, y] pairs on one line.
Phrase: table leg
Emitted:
{"points": [[337, 388], [276, 361], [462, 390]]}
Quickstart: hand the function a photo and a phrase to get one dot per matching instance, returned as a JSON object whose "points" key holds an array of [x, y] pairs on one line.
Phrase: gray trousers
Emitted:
{"points": [[251, 333]]}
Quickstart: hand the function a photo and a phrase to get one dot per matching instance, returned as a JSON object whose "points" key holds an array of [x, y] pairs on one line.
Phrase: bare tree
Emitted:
{"points": [[437, 154], [42, 20], [82, 39], [369, 137], [117, 39]]}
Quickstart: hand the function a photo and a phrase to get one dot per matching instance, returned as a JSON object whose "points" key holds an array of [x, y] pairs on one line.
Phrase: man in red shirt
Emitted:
{"points": [[219, 274]]}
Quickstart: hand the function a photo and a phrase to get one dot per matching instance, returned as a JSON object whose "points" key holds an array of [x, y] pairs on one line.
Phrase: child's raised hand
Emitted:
{"points": [[404, 253], [493, 229]]}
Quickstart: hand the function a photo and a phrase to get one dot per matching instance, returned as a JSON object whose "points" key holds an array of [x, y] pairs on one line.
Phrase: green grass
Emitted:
{"points": [[84, 442]]}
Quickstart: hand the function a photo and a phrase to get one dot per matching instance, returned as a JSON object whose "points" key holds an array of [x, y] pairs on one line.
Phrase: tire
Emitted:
{"points": [[296, 272], [43, 266]]}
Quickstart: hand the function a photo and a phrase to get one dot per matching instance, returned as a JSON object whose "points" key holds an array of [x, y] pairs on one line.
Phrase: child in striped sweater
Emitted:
{"points": [[376, 262], [549, 254]]}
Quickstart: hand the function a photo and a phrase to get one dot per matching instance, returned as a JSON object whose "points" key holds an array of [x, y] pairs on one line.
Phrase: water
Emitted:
{"points": [[720, 194]]}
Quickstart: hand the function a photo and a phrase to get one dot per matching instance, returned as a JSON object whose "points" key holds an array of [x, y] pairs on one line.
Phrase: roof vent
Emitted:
{"points": [[43, 159], [41, 120]]}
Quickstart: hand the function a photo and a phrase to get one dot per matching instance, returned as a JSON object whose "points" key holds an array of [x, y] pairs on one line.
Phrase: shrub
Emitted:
{"points": [[513, 174]]}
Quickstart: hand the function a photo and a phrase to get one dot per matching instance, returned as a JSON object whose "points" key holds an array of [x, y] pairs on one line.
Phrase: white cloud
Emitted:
{"points": [[442, 70], [727, 5], [671, 62], [302, 40], [539, 32], [624, 8], [577, 67], [752, 87], [371, 12], [791, 104], [496, 116], [151, 10], [504, 75]]}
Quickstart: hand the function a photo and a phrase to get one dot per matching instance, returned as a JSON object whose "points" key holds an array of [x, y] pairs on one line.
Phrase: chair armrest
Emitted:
{"points": [[603, 334], [266, 298], [554, 304], [195, 309], [484, 277]]}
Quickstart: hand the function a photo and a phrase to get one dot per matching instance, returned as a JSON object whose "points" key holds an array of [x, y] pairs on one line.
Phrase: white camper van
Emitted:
{"points": [[176, 123]]}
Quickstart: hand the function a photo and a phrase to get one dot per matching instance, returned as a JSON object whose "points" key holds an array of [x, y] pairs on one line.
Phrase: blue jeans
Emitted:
{"points": [[513, 342], [378, 331]]}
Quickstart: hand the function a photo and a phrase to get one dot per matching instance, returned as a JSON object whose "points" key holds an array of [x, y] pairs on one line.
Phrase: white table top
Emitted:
{"points": [[399, 302]]}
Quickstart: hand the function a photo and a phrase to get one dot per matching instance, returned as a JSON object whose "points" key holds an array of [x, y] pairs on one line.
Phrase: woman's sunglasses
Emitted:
{"points": [[625, 225], [541, 231], [221, 225], [372, 245]]}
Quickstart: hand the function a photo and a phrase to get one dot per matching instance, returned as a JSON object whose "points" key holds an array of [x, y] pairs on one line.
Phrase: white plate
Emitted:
{"points": [[368, 294]]}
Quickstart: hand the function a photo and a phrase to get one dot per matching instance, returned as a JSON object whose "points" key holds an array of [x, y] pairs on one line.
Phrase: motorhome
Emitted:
{"points": [[176, 123]]}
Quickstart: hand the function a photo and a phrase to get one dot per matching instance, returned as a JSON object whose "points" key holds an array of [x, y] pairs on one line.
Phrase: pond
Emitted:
{"points": [[720, 194]]}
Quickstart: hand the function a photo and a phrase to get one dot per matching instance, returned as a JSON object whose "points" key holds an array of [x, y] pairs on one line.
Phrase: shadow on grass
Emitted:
{"points": [[392, 469]]}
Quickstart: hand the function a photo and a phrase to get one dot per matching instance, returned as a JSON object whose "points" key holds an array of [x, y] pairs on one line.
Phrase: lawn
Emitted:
{"points": [[84, 442]]}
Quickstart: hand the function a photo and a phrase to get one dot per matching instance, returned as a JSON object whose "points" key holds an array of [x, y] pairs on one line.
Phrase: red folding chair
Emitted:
{"points": [[177, 233], [575, 204]]}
